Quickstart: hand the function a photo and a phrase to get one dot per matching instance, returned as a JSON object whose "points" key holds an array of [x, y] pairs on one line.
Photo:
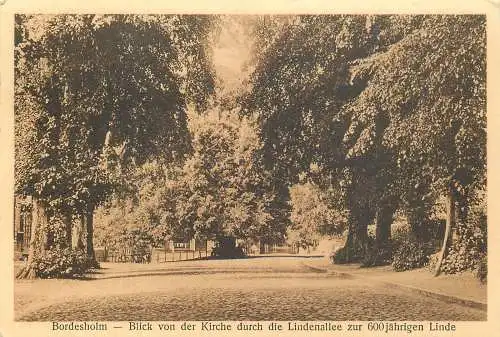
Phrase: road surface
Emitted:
{"points": [[266, 288]]}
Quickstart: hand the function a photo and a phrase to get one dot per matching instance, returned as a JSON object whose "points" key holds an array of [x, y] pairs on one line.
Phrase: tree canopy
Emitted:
{"points": [[391, 107], [95, 94], [343, 121]]}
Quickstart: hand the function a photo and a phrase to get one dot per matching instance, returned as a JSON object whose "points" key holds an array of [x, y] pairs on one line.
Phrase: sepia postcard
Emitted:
{"points": [[278, 168]]}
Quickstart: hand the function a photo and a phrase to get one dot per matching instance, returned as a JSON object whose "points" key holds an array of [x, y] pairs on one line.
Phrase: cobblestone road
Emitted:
{"points": [[251, 289]]}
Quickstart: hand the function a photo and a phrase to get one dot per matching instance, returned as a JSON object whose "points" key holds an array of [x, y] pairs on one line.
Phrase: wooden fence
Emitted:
{"points": [[160, 255], [156, 255]]}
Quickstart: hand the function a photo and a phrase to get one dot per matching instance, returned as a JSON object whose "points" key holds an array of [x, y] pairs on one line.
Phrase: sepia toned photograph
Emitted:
{"points": [[250, 168]]}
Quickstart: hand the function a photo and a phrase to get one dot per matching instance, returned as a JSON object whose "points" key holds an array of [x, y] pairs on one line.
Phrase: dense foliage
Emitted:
{"points": [[95, 95], [62, 263], [392, 107], [344, 123]]}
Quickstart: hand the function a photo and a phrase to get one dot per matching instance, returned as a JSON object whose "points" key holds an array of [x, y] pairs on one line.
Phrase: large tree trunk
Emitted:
{"points": [[68, 226], [17, 224], [38, 238], [450, 224], [418, 210], [384, 219], [79, 229], [418, 218], [357, 239], [89, 216]]}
